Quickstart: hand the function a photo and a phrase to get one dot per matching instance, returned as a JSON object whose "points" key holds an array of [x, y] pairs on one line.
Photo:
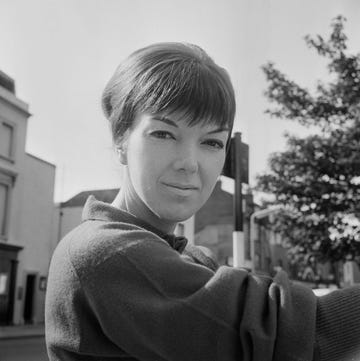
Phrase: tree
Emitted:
{"points": [[317, 178]]}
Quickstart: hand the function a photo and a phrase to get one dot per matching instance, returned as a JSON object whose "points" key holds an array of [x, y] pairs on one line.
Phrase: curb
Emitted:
{"points": [[14, 332]]}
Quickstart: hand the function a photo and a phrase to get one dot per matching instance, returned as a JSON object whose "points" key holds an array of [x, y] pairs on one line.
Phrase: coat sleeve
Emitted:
{"points": [[156, 305], [338, 325]]}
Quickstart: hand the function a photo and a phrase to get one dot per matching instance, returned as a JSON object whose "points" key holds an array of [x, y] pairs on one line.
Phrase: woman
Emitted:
{"points": [[123, 287]]}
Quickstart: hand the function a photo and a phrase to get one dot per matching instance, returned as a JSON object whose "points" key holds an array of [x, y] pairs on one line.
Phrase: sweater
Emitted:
{"points": [[118, 289]]}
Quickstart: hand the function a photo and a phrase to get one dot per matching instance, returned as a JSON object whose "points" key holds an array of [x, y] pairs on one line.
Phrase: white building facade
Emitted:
{"points": [[26, 215]]}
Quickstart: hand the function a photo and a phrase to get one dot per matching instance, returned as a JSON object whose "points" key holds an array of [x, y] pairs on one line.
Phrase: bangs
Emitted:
{"points": [[202, 94]]}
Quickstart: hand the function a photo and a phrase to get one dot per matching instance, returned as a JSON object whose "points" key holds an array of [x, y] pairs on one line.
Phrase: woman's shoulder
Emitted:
{"points": [[104, 229], [96, 240]]}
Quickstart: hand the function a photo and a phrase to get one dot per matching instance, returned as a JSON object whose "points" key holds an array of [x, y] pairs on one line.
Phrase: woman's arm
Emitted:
{"points": [[155, 305]]}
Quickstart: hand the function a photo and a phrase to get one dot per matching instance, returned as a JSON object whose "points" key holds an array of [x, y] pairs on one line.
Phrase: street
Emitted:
{"points": [[23, 349]]}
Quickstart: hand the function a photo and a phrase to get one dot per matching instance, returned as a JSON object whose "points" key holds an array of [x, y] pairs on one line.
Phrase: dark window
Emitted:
{"points": [[5, 184], [6, 140]]}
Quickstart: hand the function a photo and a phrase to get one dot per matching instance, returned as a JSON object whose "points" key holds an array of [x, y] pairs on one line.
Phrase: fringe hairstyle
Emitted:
{"points": [[166, 78]]}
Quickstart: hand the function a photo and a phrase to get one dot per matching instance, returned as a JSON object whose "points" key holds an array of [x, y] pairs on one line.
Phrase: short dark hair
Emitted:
{"points": [[166, 78]]}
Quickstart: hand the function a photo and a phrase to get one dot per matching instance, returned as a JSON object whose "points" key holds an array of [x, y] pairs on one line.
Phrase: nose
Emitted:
{"points": [[186, 159]]}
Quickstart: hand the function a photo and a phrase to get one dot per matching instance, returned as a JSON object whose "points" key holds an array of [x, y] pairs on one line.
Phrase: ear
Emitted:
{"points": [[121, 147], [121, 153]]}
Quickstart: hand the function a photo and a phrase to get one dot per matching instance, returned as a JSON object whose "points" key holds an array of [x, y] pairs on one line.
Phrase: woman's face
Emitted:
{"points": [[172, 167]]}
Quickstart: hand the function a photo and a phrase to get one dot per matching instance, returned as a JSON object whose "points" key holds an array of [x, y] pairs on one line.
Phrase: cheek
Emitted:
{"points": [[144, 169]]}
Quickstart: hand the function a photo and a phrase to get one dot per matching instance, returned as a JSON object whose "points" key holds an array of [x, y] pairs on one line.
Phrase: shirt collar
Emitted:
{"points": [[97, 210]]}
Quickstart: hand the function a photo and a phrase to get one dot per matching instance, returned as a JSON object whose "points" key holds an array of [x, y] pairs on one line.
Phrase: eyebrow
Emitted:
{"points": [[173, 124]]}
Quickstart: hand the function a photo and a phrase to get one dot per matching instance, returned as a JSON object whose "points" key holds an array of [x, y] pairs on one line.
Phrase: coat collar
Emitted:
{"points": [[97, 210]]}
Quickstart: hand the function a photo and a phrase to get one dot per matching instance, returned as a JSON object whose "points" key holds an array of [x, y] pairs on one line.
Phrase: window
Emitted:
{"points": [[6, 140], [5, 184]]}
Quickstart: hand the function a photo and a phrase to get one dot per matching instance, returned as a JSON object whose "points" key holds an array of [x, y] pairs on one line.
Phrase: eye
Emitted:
{"points": [[162, 134], [214, 143]]}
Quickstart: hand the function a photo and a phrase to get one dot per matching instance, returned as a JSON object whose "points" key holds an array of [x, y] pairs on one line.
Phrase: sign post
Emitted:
{"points": [[237, 167]]}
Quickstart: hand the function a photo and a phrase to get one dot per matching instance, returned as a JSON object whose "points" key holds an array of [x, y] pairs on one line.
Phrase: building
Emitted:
{"points": [[69, 212], [214, 225], [26, 215], [263, 247]]}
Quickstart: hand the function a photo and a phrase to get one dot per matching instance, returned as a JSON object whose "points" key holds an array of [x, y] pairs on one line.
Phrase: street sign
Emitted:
{"points": [[242, 157]]}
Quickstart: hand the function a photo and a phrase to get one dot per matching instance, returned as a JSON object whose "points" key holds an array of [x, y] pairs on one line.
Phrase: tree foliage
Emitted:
{"points": [[317, 178]]}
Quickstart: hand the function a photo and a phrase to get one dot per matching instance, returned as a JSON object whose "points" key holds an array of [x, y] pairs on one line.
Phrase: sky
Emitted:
{"points": [[62, 53]]}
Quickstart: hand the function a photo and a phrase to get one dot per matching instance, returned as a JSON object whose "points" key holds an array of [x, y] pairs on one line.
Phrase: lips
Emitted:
{"points": [[182, 190], [181, 186]]}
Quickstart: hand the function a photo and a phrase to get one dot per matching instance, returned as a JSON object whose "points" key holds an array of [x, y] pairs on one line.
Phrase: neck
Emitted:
{"points": [[128, 200]]}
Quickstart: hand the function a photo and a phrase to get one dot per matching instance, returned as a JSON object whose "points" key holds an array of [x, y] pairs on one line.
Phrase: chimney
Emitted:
{"points": [[7, 83]]}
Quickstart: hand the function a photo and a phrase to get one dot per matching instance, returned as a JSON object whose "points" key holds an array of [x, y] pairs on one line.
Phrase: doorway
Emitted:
{"points": [[8, 271], [29, 298]]}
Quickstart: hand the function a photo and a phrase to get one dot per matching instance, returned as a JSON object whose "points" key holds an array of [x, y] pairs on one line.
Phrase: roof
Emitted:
{"points": [[7, 93], [40, 159], [104, 195], [218, 209]]}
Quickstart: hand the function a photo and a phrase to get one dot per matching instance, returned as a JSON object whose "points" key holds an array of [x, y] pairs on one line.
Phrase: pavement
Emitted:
{"points": [[21, 331]]}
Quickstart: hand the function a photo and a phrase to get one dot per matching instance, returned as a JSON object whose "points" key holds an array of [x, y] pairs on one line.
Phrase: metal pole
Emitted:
{"points": [[238, 235], [238, 186]]}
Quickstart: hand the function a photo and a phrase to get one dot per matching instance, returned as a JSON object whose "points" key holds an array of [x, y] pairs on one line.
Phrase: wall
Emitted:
{"points": [[30, 212], [218, 238], [16, 112], [69, 218], [34, 231], [188, 229]]}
